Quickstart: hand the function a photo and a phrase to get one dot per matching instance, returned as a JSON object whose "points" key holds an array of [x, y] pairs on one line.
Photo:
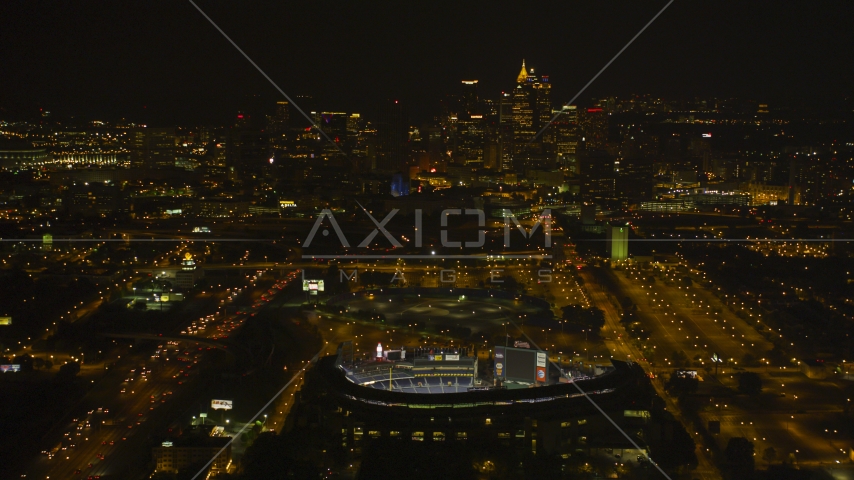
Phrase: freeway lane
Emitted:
{"points": [[140, 405]]}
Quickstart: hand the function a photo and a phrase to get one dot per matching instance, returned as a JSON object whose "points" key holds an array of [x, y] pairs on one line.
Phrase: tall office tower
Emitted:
{"points": [[617, 241], [392, 133], [599, 176], [595, 129], [523, 101], [434, 144], [334, 124], [543, 108], [505, 129], [248, 150], [153, 147], [492, 156], [469, 101], [565, 135], [355, 124], [531, 100], [467, 140], [278, 123]]}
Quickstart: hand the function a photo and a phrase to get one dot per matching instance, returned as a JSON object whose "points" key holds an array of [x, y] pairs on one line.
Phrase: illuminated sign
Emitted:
{"points": [[287, 204], [5, 320], [707, 135], [10, 368], [437, 358], [541, 374], [452, 357], [636, 413], [499, 367], [312, 285], [221, 404], [541, 359]]}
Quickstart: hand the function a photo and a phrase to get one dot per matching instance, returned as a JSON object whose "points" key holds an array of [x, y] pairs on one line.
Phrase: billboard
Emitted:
{"points": [[312, 286], [10, 368], [521, 364], [221, 404], [452, 357], [5, 320]]}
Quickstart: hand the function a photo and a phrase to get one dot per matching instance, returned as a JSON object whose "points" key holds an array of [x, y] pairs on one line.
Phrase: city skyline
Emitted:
{"points": [[187, 74], [244, 241]]}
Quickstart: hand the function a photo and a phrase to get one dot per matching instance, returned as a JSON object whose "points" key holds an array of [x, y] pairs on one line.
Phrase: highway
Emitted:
{"points": [[140, 397]]}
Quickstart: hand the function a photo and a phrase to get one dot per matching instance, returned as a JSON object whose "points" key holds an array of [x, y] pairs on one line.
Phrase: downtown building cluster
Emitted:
{"points": [[519, 149]]}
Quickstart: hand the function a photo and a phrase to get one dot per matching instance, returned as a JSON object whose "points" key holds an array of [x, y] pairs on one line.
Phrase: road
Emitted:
{"points": [[139, 406], [616, 340]]}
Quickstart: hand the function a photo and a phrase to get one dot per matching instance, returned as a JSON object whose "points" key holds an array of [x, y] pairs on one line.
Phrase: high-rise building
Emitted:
{"points": [[470, 102], [595, 128], [599, 175], [565, 136], [334, 125], [392, 133], [153, 147], [278, 124], [248, 150], [532, 111]]}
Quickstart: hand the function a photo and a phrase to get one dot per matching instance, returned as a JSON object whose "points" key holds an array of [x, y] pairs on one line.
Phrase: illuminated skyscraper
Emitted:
{"points": [[595, 128], [278, 123], [470, 101], [531, 100], [153, 147]]}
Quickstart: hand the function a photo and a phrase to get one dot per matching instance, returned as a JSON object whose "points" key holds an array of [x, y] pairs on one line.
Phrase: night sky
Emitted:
{"points": [[162, 63]]}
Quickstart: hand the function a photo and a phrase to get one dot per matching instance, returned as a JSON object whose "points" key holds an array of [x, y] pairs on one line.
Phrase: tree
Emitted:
{"points": [[67, 372], [584, 318], [769, 454], [25, 361], [681, 384], [749, 383], [748, 360], [739, 454]]}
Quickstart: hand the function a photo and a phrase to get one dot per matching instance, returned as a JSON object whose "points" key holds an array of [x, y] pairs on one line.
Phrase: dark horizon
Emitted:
{"points": [[165, 64]]}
